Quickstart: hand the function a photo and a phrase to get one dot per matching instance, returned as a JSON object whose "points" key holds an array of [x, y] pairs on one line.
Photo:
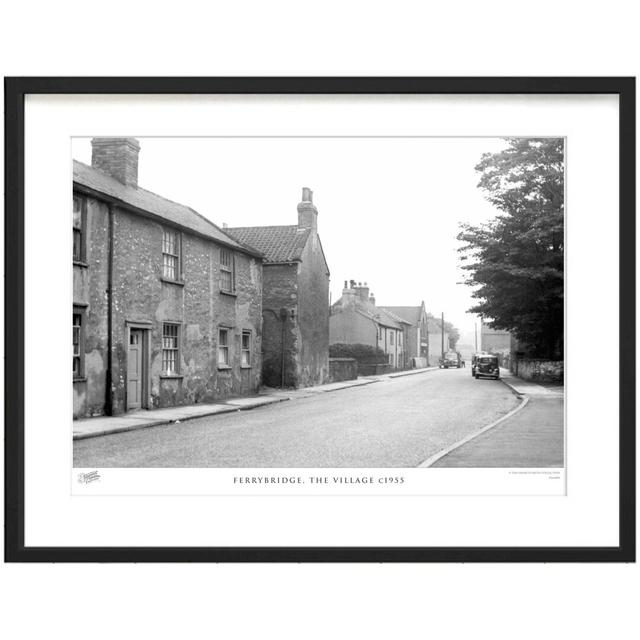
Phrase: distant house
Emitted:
{"points": [[496, 341], [295, 299], [166, 306], [417, 339], [355, 319]]}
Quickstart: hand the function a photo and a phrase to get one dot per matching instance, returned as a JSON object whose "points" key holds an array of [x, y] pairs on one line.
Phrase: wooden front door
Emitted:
{"points": [[135, 369]]}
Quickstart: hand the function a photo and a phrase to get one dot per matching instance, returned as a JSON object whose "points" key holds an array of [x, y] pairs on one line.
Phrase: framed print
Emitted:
{"points": [[320, 319]]}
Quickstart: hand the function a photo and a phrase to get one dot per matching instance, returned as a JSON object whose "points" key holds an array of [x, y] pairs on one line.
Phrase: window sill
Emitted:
{"points": [[232, 294], [171, 376], [224, 367], [82, 379], [179, 283], [80, 263], [246, 366]]}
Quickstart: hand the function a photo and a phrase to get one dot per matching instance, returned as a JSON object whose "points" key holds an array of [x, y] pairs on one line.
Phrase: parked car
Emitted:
{"points": [[487, 366]]}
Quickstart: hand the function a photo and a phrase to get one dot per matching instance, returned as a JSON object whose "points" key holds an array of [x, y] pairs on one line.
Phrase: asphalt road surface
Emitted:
{"points": [[398, 422]]}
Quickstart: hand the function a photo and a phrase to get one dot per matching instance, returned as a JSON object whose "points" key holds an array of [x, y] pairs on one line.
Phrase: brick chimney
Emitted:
{"points": [[349, 294], [307, 212], [117, 157], [363, 291]]}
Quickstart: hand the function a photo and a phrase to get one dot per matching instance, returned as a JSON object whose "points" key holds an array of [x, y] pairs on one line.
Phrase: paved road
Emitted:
{"points": [[397, 422]]}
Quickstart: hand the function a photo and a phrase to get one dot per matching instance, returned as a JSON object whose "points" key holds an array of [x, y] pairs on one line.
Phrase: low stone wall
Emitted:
{"points": [[342, 369], [539, 370], [373, 369]]}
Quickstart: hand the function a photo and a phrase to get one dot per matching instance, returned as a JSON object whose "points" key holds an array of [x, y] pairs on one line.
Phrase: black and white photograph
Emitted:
{"points": [[362, 320], [343, 302]]}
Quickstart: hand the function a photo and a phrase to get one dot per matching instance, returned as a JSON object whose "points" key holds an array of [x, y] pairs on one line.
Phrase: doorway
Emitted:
{"points": [[137, 369]]}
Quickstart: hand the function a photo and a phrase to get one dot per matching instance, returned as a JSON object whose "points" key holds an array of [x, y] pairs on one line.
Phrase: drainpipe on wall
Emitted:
{"points": [[108, 405]]}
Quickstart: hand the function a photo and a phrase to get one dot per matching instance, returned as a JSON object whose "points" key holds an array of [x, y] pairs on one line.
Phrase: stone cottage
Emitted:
{"points": [[295, 298], [166, 306], [355, 319]]}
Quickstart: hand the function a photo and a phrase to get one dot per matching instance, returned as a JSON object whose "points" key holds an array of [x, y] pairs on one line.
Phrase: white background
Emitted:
{"points": [[587, 516], [490, 38]]}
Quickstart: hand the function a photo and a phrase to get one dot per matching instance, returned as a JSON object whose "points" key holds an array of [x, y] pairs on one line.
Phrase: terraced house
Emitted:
{"points": [[166, 306]]}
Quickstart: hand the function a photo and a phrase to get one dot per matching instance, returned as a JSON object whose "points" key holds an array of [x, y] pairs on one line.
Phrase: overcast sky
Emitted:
{"points": [[388, 208]]}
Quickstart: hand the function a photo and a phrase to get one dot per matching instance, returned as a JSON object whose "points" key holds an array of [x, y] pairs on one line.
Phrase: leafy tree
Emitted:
{"points": [[516, 261]]}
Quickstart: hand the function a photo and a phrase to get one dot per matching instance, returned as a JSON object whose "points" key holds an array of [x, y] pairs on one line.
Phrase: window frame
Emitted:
{"points": [[81, 257], [227, 269], [224, 348], [176, 256], [248, 350], [174, 350], [80, 312]]}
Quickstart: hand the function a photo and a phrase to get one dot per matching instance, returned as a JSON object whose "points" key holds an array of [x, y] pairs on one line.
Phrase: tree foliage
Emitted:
{"points": [[515, 262]]}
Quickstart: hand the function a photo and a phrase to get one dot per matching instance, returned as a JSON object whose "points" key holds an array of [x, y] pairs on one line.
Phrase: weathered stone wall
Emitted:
{"points": [[539, 370], [342, 369], [280, 291], [313, 316], [141, 297], [90, 294]]}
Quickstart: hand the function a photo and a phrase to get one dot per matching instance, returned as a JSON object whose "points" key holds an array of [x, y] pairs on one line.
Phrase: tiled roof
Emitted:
{"points": [[278, 244], [139, 198], [408, 314]]}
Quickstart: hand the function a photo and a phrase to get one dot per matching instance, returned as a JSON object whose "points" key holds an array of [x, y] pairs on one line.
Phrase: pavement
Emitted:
{"points": [[531, 436], [143, 419]]}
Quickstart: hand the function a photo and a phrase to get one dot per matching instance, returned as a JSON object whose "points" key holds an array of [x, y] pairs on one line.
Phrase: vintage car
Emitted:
{"points": [[451, 360], [485, 365]]}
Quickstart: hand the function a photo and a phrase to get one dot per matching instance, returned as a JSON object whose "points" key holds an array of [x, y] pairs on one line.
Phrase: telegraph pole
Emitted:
{"points": [[475, 326], [442, 327]]}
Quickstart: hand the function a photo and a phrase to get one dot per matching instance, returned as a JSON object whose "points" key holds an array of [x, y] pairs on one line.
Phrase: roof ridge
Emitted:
{"points": [[269, 226], [146, 200], [153, 193]]}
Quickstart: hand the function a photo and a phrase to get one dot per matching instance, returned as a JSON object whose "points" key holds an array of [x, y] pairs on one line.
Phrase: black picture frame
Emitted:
{"points": [[15, 91]]}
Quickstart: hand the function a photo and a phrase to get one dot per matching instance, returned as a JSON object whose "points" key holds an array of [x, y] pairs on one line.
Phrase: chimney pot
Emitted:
{"points": [[307, 212]]}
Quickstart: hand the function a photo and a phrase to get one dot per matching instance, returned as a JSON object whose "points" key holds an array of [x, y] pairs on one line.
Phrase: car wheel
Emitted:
{"points": [[477, 376]]}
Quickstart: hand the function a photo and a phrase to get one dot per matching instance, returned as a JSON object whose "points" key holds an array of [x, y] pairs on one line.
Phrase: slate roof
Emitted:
{"points": [[377, 314], [277, 244], [409, 314], [381, 316], [150, 202]]}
